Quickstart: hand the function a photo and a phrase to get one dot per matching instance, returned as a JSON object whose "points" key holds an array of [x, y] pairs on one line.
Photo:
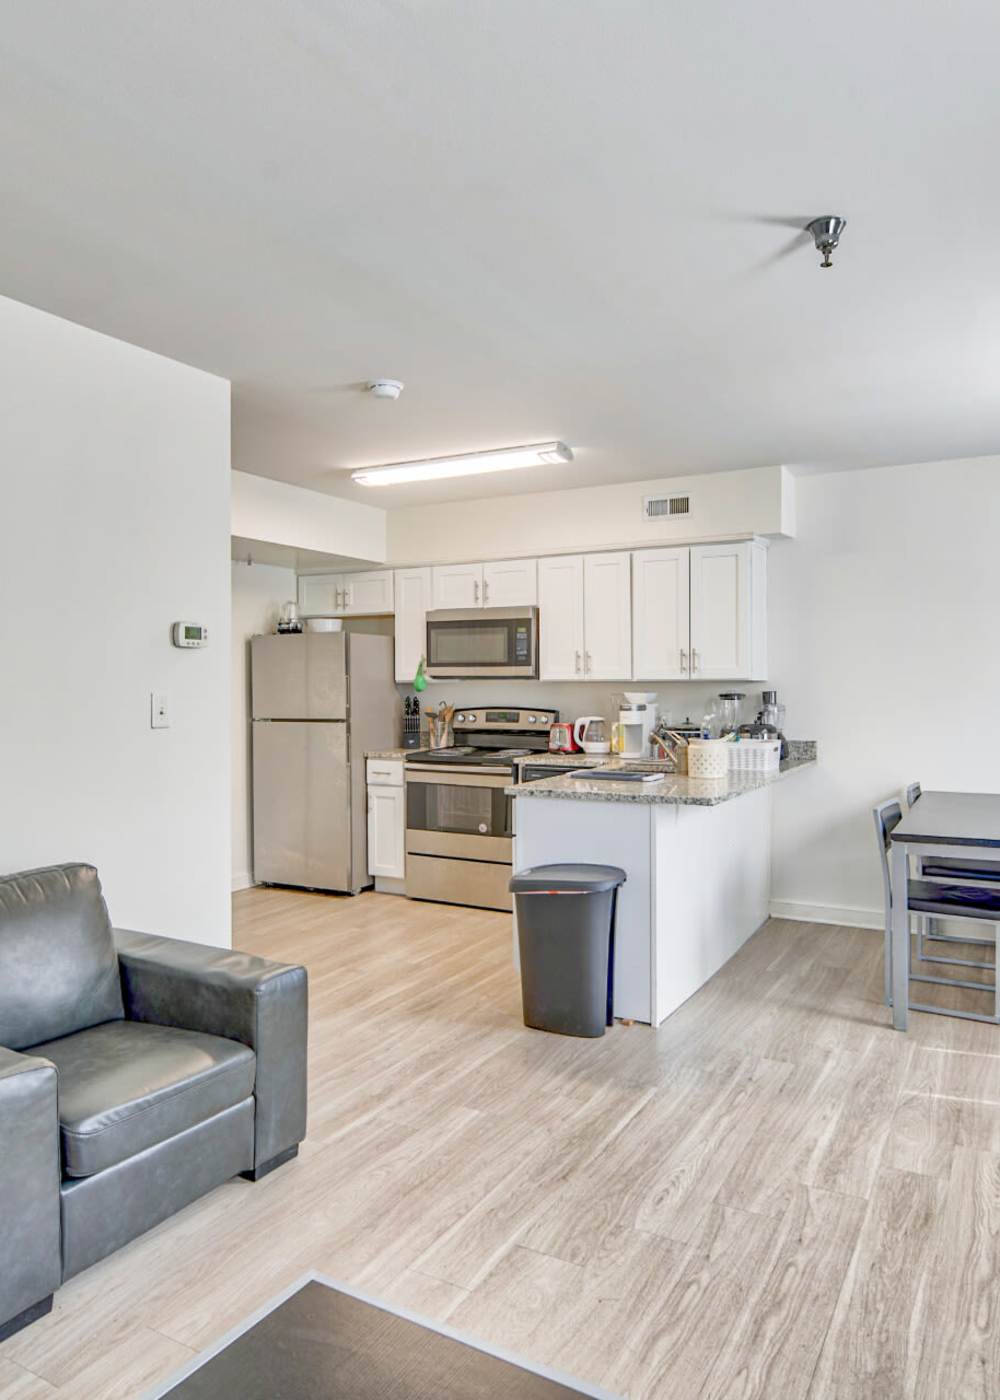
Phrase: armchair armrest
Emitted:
{"points": [[29, 1188], [259, 1003]]}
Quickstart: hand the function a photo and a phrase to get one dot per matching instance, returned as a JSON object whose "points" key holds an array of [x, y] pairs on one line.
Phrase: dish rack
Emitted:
{"points": [[755, 756]]}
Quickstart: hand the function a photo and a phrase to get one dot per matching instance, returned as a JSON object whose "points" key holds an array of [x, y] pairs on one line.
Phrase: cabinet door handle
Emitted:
{"points": [[684, 659], [577, 663], [475, 592], [694, 661], [486, 592], [337, 604], [586, 661]]}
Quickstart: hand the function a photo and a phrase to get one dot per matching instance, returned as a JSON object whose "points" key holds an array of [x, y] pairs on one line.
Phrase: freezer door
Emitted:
{"points": [[301, 805], [303, 676]]}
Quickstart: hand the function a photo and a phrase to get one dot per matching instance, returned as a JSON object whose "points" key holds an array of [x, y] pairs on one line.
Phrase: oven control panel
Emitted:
{"points": [[506, 721]]}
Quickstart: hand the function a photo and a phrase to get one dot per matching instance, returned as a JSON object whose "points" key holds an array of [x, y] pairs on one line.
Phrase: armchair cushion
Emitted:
{"points": [[125, 1086], [58, 967], [221, 992]]}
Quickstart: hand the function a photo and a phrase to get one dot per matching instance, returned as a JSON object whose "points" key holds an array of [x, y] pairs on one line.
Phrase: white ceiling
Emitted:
{"points": [[550, 218]]}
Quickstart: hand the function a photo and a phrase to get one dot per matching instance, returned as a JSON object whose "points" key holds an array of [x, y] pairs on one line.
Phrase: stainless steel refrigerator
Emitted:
{"points": [[319, 700]]}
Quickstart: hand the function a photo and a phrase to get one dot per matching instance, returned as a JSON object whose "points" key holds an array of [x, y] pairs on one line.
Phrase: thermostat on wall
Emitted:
{"points": [[189, 634]]}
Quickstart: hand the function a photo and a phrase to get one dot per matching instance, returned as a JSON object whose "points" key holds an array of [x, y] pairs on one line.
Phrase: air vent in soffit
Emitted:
{"points": [[665, 507]]}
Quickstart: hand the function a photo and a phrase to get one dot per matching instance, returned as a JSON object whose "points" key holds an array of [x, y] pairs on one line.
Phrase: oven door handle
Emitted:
{"points": [[458, 777]]}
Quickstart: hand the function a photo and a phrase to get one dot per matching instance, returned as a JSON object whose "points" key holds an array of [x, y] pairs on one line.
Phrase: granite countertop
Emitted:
{"points": [[671, 789], [393, 753]]}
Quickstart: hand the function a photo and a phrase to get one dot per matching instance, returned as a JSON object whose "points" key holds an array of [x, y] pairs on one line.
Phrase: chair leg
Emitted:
{"points": [[888, 962]]}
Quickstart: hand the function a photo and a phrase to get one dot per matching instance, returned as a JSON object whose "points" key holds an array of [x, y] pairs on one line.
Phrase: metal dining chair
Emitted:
{"points": [[949, 869], [943, 901]]}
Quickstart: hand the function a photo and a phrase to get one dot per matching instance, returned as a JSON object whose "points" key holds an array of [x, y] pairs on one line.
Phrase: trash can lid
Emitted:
{"points": [[567, 879]]}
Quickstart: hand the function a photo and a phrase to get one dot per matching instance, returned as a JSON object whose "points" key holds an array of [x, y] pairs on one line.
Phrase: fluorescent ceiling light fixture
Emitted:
{"points": [[499, 459]]}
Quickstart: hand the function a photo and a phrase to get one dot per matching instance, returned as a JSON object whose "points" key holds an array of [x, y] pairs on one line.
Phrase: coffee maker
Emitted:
{"points": [[636, 721]]}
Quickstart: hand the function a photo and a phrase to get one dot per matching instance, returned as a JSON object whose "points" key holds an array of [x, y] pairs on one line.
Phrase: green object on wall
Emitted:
{"points": [[420, 680]]}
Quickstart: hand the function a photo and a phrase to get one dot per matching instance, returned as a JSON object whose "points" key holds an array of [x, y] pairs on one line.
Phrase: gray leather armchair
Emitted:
{"points": [[136, 1073]]}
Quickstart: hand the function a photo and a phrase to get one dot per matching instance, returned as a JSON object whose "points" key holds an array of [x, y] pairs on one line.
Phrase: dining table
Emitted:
{"points": [[945, 825]]}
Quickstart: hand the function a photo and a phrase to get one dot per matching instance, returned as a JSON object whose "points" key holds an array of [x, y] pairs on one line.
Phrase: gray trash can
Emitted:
{"points": [[566, 932]]}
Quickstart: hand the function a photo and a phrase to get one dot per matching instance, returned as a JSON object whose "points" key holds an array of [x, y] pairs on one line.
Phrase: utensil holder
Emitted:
{"points": [[708, 758], [442, 733]]}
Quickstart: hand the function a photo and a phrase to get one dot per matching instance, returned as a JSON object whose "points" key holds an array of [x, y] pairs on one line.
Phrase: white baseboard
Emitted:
{"points": [[828, 914], [242, 880]]}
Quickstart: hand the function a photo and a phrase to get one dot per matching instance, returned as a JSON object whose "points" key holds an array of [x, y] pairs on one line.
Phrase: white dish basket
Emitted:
{"points": [[755, 756], [708, 758]]}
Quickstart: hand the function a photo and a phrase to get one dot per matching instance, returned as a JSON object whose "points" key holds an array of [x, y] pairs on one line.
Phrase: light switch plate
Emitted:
{"points": [[159, 713]]}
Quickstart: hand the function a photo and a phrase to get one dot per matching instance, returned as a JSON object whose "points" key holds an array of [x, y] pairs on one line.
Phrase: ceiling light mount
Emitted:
{"points": [[385, 388], [499, 459], [826, 232]]}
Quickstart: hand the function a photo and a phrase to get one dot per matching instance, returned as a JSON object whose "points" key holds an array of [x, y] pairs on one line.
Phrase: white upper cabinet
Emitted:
{"points": [[607, 617], [560, 618], [661, 620], [368, 592], [584, 617], [457, 586], [510, 583], [346, 595], [728, 611], [413, 598], [319, 594]]}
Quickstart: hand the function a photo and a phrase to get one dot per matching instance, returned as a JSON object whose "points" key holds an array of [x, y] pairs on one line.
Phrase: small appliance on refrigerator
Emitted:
{"points": [[319, 700]]}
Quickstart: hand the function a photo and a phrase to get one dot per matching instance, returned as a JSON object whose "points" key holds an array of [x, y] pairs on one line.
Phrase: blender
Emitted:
{"points": [[730, 712]]}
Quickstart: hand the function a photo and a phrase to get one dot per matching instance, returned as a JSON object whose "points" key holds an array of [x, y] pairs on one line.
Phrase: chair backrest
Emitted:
{"points": [[912, 793], [58, 965], [887, 815]]}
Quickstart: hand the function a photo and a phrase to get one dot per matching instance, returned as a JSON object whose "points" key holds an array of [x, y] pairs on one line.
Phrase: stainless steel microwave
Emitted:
{"points": [[482, 642]]}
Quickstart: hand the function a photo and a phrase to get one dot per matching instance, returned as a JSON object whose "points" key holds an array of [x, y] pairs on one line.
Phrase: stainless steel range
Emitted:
{"points": [[459, 833]]}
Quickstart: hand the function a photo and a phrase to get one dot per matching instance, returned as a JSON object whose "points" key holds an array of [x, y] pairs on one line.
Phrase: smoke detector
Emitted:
{"points": [[385, 388], [826, 233]]}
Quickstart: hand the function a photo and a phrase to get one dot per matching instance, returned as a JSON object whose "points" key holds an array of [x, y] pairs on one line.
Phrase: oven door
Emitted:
{"points": [[480, 642], [460, 814]]}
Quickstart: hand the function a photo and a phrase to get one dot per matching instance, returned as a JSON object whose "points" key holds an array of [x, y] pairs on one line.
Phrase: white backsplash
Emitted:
{"points": [[678, 700]]}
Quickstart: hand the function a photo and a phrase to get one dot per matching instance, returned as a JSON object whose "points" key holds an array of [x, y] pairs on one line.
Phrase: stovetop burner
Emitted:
{"points": [[480, 758]]}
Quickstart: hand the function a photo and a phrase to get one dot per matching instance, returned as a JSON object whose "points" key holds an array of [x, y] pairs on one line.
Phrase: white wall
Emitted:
{"points": [[292, 515], [114, 522], [258, 593], [757, 501], [884, 644]]}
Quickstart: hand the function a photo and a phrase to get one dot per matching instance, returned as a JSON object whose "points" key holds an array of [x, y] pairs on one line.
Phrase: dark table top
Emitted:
{"points": [[952, 819]]}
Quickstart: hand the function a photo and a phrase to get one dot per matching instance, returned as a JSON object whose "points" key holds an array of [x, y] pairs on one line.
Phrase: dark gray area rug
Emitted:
{"points": [[323, 1343]]}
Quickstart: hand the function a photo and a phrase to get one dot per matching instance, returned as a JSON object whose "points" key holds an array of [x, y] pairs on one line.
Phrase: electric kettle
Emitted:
{"points": [[591, 733]]}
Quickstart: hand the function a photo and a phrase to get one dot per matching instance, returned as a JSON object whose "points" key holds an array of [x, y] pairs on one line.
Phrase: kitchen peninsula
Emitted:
{"points": [[697, 853]]}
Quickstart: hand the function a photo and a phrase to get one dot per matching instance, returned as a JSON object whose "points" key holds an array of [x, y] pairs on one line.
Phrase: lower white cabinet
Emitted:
{"points": [[386, 819], [413, 598]]}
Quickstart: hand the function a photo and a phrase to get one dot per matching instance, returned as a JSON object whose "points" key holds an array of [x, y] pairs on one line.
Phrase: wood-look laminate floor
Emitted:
{"points": [[774, 1195]]}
